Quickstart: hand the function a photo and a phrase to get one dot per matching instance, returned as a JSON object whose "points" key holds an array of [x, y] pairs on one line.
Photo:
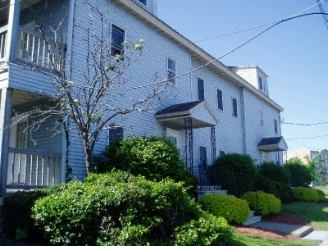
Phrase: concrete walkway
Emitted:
{"points": [[303, 232]]}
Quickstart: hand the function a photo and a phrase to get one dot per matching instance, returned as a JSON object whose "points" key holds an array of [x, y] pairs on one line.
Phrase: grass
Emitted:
{"points": [[315, 213], [245, 240]]}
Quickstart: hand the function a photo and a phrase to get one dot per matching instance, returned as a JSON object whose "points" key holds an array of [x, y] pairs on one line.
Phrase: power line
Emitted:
{"points": [[256, 27], [325, 19], [307, 124]]}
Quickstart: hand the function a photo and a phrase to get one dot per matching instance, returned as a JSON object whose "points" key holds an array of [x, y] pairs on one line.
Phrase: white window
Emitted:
{"points": [[117, 39], [276, 126], [201, 92], [261, 119], [115, 133], [171, 70], [21, 136], [220, 100], [234, 107]]}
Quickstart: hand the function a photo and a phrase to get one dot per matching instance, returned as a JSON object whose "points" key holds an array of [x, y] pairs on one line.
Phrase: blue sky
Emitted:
{"points": [[294, 54]]}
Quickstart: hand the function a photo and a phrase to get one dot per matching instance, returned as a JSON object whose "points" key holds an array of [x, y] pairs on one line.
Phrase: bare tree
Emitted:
{"points": [[95, 99]]}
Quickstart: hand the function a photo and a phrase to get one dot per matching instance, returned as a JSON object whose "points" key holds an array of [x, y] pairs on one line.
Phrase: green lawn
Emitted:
{"points": [[315, 213]]}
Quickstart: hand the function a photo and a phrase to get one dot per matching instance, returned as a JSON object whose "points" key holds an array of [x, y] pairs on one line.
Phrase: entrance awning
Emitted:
{"points": [[272, 144], [199, 111]]}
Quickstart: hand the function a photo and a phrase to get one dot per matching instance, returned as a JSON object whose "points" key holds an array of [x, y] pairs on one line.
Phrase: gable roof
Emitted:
{"points": [[199, 111], [272, 144]]}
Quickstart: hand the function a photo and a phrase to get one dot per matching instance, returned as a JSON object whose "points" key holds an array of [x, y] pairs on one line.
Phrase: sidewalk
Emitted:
{"points": [[303, 232]]}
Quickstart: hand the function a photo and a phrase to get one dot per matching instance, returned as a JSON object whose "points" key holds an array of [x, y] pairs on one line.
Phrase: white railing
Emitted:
{"points": [[3, 39], [31, 169], [34, 49]]}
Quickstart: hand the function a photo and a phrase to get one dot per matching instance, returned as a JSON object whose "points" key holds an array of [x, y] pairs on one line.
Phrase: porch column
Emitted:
{"points": [[5, 112], [213, 143], [189, 145], [13, 24]]}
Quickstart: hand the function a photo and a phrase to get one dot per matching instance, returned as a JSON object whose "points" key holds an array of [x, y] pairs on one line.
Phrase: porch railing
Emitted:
{"points": [[28, 169], [3, 39], [34, 49]]}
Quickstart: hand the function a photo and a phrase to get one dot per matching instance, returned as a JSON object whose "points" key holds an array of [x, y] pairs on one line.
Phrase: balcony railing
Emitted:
{"points": [[3, 39], [28, 169], [34, 49]]}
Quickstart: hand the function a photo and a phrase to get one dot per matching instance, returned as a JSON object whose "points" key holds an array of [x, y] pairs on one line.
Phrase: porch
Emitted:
{"points": [[31, 150], [28, 169]]}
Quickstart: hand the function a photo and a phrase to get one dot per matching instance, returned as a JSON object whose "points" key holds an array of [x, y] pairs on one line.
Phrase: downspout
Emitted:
{"points": [[243, 122], [68, 68], [190, 78]]}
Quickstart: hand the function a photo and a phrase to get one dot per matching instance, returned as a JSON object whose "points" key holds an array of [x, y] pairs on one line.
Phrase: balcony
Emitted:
{"points": [[28, 169], [34, 50]]}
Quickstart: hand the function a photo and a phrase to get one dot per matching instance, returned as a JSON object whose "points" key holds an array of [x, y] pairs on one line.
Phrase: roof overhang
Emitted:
{"points": [[199, 112], [274, 144]]}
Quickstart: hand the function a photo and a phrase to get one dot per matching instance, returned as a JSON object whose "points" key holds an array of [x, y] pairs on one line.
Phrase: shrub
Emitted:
{"points": [[154, 158], [118, 208], [267, 185], [233, 209], [305, 194], [262, 203], [321, 194], [286, 194], [16, 215], [301, 175], [236, 172], [275, 172]]}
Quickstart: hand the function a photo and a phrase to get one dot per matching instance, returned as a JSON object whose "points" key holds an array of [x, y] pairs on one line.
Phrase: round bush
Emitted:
{"points": [[120, 209], [235, 172], [233, 209], [275, 172], [262, 203], [305, 194], [154, 158]]}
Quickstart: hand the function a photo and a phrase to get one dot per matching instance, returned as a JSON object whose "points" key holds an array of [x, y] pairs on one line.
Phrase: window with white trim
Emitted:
{"points": [[276, 126], [21, 136], [115, 133], [261, 119], [201, 92], [171, 70], [117, 39], [234, 107], [220, 100]]}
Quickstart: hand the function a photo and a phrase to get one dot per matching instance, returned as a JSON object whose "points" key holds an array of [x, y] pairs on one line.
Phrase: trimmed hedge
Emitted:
{"points": [[233, 209], [118, 208], [322, 195], [262, 203], [305, 194], [301, 174]]}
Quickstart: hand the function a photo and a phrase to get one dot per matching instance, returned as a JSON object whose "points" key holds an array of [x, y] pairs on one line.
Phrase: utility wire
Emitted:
{"points": [[302, 124], [256, 27], [325, 19]]}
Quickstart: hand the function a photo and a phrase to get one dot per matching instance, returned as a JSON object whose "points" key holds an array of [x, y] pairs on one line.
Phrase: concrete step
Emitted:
{"points": [[252, 220]]}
